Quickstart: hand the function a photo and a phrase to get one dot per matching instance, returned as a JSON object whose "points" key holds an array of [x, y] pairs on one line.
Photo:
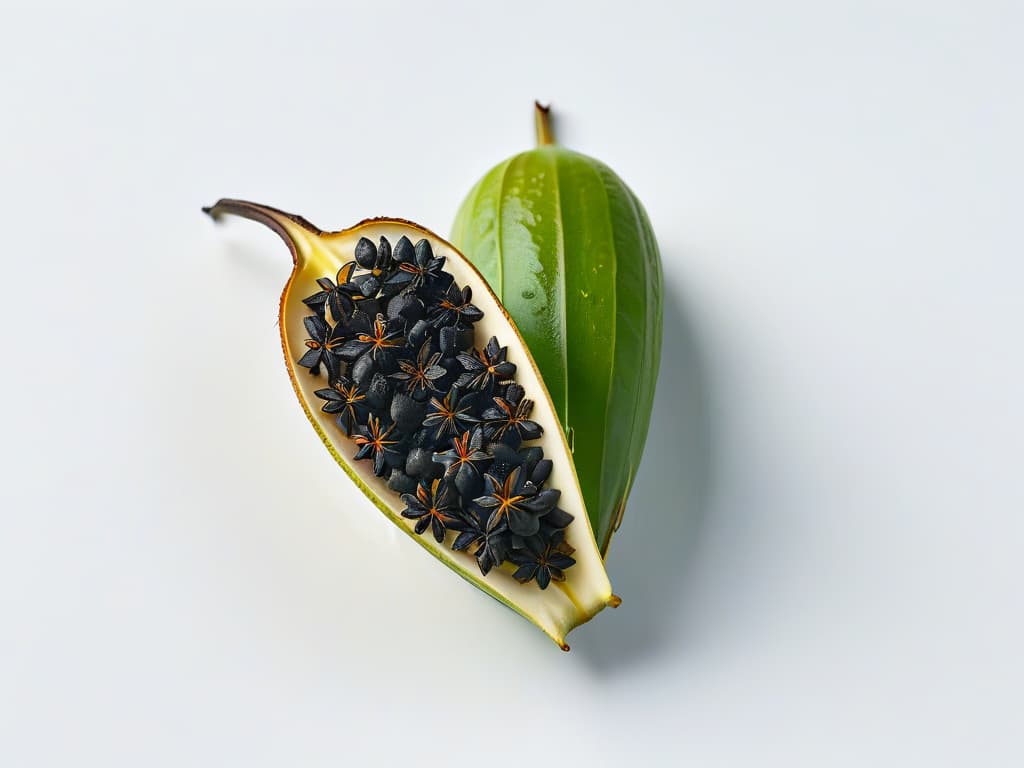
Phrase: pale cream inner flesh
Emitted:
{"points": [[560, 607]]}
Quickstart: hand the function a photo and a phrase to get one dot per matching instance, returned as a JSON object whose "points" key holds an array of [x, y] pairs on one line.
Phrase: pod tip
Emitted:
{"points": [[614, 601], [564, 646], [542, 124]]}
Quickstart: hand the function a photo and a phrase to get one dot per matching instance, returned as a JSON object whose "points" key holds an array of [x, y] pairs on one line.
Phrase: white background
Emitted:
{"points": [[821, 561]]}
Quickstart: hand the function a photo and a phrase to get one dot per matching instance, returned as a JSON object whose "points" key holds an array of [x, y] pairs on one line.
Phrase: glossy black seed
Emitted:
{"points": [[419, 333], [541, 472], [424, 438], [362, 371], [464, 339], [404, 250], [399, 482], [369, 307], [529, 457], [514, 393], [446, 339], [406, 413], [379, 393], [383, 254], [468, 482], [367, 284], [423, 251], [556, 518], [366, 253], [406, 306], [504, 460], [420, 463]]}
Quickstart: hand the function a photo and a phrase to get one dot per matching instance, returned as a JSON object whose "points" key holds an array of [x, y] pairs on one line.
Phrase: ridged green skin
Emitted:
{"points": [[568, 249]]}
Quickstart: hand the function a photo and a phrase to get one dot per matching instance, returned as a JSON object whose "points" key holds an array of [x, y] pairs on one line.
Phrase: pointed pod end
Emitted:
{"points": [[614, 601], [564, 646], [271, 217]]}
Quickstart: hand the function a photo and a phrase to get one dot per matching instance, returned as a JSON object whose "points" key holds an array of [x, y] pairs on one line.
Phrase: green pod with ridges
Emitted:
{"points": [[570, 252]]}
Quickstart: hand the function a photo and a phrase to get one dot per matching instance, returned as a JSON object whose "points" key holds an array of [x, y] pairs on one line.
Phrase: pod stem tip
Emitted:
{"points": [[542, 121]]}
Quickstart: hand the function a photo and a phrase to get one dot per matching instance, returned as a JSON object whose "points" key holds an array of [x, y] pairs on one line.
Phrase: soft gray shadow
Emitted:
{"points": [[650, 556]]}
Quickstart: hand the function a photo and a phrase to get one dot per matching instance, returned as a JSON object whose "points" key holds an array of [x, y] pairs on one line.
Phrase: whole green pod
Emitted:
{"points": [[569, 250]]}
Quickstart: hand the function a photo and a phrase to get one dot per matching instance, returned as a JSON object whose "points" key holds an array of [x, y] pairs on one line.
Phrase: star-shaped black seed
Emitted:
{"points": [[485, 367], [455, 306], [415, 269], [466, 451], [374, 444], [511, 417], [376, 339], [462, 460], [450, 415], [419, 376], [347, 400], [544, 562], [515, 500], [323, 347], [490, 545], [335, 296], [435, 506]]}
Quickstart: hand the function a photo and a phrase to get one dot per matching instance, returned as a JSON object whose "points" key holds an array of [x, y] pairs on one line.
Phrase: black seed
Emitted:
{"points": [[505, 460], [541, 472], [423, 252], [420, 463], [379, 393], [424, 438], [464, 339], [418, 333], [366, 253], [514, 393], [368, 285], [363, 370], [529, 458], [404, 250], [400, 303], [383, 254], [399, 482], [406, 412], [447, 338], [369, 307], [469, 482], [556, 518]]}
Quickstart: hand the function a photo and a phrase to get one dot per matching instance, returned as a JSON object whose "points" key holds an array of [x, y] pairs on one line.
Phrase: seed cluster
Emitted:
{"points": [[442, 420]]}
